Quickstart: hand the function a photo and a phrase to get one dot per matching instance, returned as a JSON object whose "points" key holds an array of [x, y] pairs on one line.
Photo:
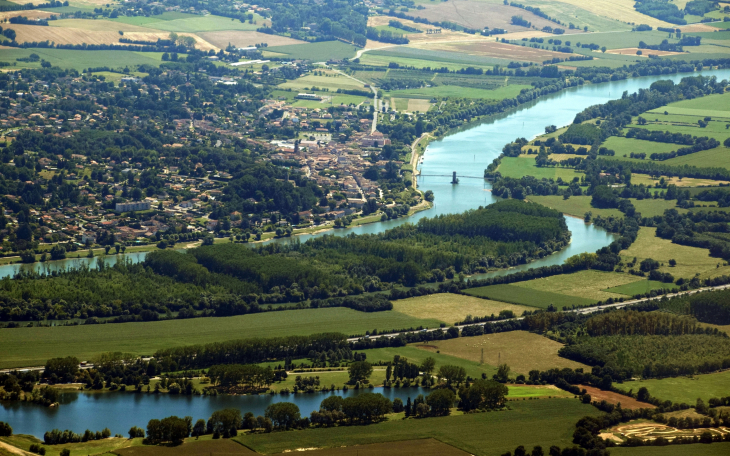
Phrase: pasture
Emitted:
{"points": [[543, 422], [624, 146], [33, 346], [576, 206], [522, 391], [496, 50], [690, 260], [528, 297], [524, 165], [317, 52], [624, 40], [418, 352], [450, 308], [589, 284], [522, 351], [719, 156], [372, 59], [209, 23], [685, 389], [91, 447]]}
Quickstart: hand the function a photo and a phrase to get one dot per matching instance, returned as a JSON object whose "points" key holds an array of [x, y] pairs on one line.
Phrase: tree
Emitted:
{"points": [[199, 428], [360, 371], [427, 366], [222, 421], [135, 431], [643, 395], [283, 414], [441, 401], [452, 374], [502, 374], [5, 430]]}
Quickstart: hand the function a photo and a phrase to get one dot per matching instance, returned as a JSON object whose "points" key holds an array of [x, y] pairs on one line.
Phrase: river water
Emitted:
{"points": [[468, 152]]}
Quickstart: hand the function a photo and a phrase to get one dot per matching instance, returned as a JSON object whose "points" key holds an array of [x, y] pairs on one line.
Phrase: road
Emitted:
{"points": [[583, 311]]}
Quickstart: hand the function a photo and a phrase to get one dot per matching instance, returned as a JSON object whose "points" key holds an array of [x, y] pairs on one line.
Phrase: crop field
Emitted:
{"points": [[627, 402], [528, 297], [698, 449], [685, 389], [690, 260], [437, 57], [99, 25], [427, 93], [684, 182], [450, 308], [330, 79], [238, 38], [524, 165], [426, 447], [32, 346], [645, 53], [209, 23], [619, 10], [522, 351], [639, 287], [317, 52], [494, 49], [66, 58], [476, 14], [624, 40], [381, 60], [589, 284], [543, 422]]}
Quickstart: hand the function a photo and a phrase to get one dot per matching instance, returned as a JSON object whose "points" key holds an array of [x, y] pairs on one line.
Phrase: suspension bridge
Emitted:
{"points": [[454, 178]]}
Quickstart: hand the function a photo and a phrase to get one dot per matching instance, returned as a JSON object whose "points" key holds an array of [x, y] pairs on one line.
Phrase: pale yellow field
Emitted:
{"points": [[451, 308], [67, 35], [522, 351], [418, 105], [100, 25], [620, 10], [684, 182], [375, 21], [690, 260], [243, 39], [584, 284]]}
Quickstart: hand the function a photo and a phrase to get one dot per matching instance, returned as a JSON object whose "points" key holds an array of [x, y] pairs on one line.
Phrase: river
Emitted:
{"points": [[468, 152]]}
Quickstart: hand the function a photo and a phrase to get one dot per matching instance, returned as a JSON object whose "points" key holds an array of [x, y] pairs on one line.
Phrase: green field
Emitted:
{"points": [[641, 286], [576, 205], [317, 52], [417, 355], [33, 346], [623, 40], [589, 284], [702, 105], [330, 80], [144, 20], [543, 422], [719, 156], [103, 446], [627, 145], [528, 297], [685, 389], [519, 391], [79, 60], [715, 449], [208, 23], [524, 165], [501, 93], [437, 57], [381, 60]]}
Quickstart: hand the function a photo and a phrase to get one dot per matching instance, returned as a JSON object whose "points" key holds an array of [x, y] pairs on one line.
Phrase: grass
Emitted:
{"points": [[627, 145], [690, 260], [450, 308], [501, 93], [716, 449], [639, 287], [417, 353], [79, 60], [522, 351], [524, 165], [371, 59], [528, 297], [720, 156], [685, 389], [210, 23], [24, 442], [575, 205], [703, 106], [330, 80], [519, 391], [545, 422], [623, 40], [33, 346], [588, 284], [317, 52], [437, 57]]}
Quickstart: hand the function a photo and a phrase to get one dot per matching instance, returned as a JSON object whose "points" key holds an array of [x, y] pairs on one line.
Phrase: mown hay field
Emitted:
{"points": [[495, 49], [330, 79], [639, 287], [528, 297], [33, 346], [690, 260], [418, 352], [99, 25], [477, 15], [522, 351], [543, 422], [451, 308], [590, 284]]}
